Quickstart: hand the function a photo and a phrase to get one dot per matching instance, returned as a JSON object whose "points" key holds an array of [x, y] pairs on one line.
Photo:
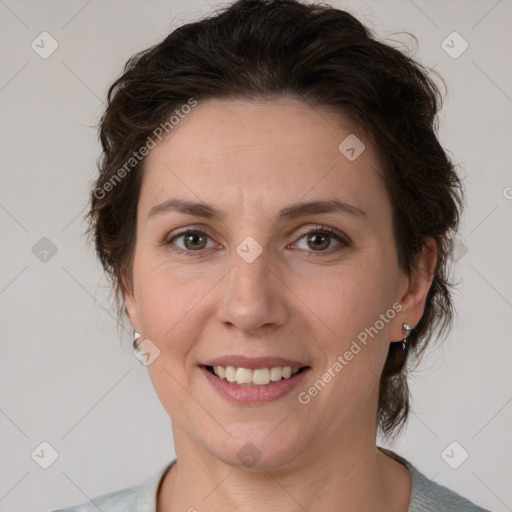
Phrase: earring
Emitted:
{"points": [[406, 329], [136, 336]]}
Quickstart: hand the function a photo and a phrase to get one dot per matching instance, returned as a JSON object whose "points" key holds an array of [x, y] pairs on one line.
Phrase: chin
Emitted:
{"points": [[259, 451]]}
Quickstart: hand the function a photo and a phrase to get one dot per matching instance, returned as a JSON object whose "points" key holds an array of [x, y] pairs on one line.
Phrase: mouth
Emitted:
{"points": [[254, 386], [254, 377]]}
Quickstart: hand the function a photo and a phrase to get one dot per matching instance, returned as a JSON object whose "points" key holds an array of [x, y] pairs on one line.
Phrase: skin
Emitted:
{"points": [[251, 159]]}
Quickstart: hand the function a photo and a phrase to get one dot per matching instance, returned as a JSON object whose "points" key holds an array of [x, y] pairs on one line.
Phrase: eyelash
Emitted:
{"points": [[324, 230]]}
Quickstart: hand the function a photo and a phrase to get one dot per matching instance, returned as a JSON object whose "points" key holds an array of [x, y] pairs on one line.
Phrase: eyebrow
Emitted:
{"points": [[208, 211]]}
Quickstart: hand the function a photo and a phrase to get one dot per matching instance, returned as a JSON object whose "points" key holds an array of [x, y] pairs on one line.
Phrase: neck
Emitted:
{"points": [[353, 472]]}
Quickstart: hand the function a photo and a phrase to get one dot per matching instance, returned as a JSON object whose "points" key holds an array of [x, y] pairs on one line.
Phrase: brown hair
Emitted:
{"points": [[322, 56]]}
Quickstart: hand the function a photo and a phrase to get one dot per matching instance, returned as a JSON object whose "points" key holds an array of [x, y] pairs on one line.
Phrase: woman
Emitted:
{"points": [[276, 215]]}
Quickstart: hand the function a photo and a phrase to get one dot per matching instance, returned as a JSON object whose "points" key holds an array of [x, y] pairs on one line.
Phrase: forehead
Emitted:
{"points": [[264, 152]]}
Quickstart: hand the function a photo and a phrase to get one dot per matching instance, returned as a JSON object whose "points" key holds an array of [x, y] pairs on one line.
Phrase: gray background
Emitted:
{"points": [[68, 378]]}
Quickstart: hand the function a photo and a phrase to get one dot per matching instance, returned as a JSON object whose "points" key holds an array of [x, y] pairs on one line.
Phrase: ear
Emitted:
{"points": [[414, 291], [131, 307]]}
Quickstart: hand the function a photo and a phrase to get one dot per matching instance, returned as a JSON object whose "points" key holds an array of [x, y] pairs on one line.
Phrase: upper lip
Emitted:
{"points": [[254, 362]]}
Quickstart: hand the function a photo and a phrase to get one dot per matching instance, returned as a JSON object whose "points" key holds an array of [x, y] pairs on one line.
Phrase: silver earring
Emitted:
{"points": [[406, 329], [136, 336]]}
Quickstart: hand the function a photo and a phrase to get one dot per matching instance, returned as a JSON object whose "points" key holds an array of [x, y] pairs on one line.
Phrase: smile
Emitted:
{"points": [[256, 386], [256, 377]]}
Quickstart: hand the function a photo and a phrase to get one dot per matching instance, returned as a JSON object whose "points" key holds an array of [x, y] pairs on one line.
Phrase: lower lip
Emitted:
{"points": [[254, 395]]}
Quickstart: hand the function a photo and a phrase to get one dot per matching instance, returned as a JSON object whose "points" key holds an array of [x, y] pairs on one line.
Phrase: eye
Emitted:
{"points": [[320, 240], [317, 240], [193, 240]]}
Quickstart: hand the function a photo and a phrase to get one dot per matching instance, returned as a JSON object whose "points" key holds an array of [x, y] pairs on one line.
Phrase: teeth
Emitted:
{"points": [[230, 373], [276, 374], [220, 371], [243, 376], [258, 377]]}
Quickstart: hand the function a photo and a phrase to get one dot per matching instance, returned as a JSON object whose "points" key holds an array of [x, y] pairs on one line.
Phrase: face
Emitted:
{"points": [[260, 274]]}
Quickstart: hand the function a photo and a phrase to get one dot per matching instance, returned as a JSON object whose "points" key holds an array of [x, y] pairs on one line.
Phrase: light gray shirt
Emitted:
{"points": [[426, 496]]}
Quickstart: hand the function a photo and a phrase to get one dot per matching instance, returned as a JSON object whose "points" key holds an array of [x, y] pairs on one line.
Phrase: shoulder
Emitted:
{"points": [[428, 496], [124, 500], [141, 498]]}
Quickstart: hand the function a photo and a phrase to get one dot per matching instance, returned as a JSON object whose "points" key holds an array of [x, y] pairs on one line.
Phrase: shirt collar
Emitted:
{"points": [[148, 490]]}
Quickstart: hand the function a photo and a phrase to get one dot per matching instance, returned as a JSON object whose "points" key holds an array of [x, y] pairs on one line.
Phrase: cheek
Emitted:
{"points": [[349, 298], [167, 301], [169, 305], [352, 334], [353, 338]]}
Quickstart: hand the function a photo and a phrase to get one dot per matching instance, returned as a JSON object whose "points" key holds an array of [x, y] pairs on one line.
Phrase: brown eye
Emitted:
{"points": [[190, 241], [194, 241], [318, 241]]}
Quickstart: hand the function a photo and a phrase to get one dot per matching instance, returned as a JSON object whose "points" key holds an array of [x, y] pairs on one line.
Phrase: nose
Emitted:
{"points": [[253, 297]]}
